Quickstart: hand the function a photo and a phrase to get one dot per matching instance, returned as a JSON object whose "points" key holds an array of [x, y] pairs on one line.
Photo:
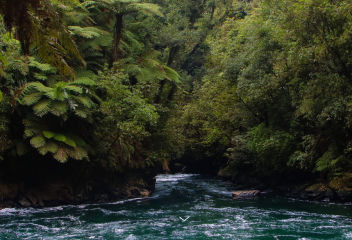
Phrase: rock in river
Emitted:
{"points": [[245, 194]]}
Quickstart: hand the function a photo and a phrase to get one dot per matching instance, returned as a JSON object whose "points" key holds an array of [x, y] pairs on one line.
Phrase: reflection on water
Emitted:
{"points": [[207, 204]]}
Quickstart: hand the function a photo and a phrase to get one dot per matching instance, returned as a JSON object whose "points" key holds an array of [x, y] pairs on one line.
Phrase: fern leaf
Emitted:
{"points": [[83, 81], [85, 101], [61, 155], [70, 142], [78, 153], [48, 134], [37, 141], [81, 113], [171, 74], [74, 89], [86, 32], [31, 99], [42, 108], [47, 68], [58, 108], [49, 147], [146, 8]]}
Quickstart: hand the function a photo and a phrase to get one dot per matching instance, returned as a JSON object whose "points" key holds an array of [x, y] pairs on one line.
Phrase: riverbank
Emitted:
{"points": [[339, 189], [72, 183]]}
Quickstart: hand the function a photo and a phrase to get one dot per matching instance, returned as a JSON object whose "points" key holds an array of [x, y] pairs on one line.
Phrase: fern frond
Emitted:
{"points": [[81, 113], [146, 8], [31, 99], [43, 67], [58, 108], [49, 147], [86, 32], [34, 87], [37, 141], [74, 89], [42, 107], [83, 81], [61, 155], [78, 153], [171, 74], [85, 101]]}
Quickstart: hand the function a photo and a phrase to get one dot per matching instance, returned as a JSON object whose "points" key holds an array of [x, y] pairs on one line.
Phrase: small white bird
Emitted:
{"points": [[184, 220]]}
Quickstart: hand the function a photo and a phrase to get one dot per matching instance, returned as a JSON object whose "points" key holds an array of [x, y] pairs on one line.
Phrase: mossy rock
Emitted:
{"points": [[342, 183], [319, 187]]}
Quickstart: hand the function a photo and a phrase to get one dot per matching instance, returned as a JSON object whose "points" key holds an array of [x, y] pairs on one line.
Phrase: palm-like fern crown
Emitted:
{"points": [[61, 146], [59, 99], [149, 68], [128, 6]]}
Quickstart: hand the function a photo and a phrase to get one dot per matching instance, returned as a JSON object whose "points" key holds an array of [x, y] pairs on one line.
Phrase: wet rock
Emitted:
{"points": [[9, 191], [245, 194], [32, 199], [144, 193], [318, 191], [24, 202], [342, 186]]}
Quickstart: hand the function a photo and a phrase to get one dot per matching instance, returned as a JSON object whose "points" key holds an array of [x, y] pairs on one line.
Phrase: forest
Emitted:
{"points": [[98, 96]]}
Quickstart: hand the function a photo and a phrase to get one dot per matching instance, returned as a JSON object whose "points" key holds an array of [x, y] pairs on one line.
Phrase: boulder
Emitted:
{"points": [[318, 191], [245, 194], [24, 202], [144, 193]]}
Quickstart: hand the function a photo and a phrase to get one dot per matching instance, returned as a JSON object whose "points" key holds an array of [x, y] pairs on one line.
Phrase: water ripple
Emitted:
{"points": [[183, 207]]}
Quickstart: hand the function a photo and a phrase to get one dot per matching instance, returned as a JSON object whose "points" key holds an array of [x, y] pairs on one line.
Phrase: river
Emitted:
{"points": [[184, 206]]}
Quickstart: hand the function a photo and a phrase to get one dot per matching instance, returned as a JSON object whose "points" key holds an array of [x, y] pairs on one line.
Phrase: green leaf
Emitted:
{"points": [[78, 153], [61, 155], [3, 60], [49, 134], [60, 137], [37, 141], [70, 142], [42, 108], [31, 99], [49, 147], [58, 108], [83, 81]]}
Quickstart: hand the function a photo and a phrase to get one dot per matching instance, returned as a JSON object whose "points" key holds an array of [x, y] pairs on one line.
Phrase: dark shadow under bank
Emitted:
{"points": [[45, 183], [293, 184]]}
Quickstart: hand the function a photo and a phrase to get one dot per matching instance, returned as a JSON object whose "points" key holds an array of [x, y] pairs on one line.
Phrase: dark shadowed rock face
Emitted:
{"points": [[68, 184], [245, 194], [52, 194]]}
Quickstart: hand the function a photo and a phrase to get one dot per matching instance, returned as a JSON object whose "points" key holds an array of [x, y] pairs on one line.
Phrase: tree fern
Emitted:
{"points": [[61, 146], [40, 30], [118, 9], [58, 99]]}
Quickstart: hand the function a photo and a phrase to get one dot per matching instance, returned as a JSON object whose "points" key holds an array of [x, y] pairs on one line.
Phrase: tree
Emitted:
{"points": [[117, 10], [40, 30]]}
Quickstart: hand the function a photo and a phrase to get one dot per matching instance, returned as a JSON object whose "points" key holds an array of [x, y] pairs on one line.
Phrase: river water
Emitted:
{"points": [[183, 207]]}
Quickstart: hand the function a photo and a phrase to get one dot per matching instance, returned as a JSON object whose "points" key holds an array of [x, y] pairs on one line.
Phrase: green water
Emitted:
{"points": [[207, 204]]}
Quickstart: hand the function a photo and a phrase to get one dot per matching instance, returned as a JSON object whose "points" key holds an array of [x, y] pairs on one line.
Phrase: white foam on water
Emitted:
{"points": [[173, 177]]}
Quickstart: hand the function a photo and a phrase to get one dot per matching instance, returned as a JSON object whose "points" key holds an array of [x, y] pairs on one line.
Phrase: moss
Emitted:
{"points": [[319, 187], [342, 183]]}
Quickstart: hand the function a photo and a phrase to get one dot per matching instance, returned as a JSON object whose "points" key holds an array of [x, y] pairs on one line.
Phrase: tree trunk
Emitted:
{"points": [[116, 55]]}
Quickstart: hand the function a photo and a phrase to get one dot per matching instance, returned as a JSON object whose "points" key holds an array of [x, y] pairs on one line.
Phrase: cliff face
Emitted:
{"points": [[75, 183]]}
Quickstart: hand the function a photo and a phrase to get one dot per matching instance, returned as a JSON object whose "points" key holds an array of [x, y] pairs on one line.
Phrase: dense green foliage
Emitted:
{"points": [[261, 88], [276, 94], [74, 87]]}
